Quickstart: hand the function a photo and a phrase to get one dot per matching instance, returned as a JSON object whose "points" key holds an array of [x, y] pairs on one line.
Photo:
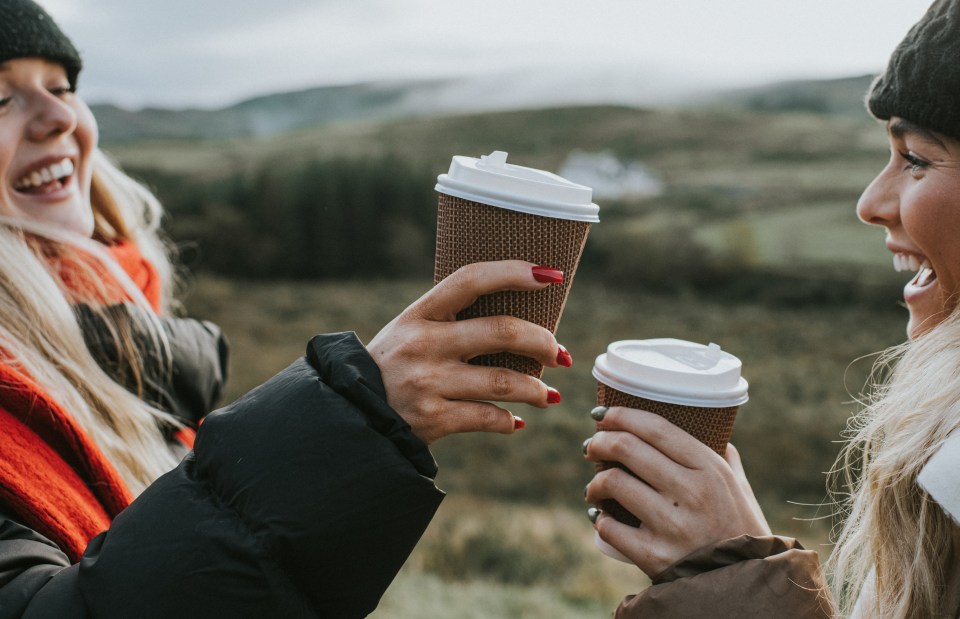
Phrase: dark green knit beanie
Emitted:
{"points": [[922, 79], [27, 31]]}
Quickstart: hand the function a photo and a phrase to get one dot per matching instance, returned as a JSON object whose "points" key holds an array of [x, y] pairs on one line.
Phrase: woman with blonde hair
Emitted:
{"points": [[703, 540], [301, 499]]}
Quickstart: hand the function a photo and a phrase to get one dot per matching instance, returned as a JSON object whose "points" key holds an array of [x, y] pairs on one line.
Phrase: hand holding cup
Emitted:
{"points": [[685, 494], [423, 354], [694, 387]]}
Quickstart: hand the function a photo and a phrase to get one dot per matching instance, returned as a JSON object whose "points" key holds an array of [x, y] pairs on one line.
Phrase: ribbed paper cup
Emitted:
{"points": [[490, 210], [711, 426], [695, 387]]}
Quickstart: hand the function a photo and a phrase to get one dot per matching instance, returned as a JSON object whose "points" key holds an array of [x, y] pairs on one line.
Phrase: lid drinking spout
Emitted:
{"points": [[496, 159], [713, 351]]}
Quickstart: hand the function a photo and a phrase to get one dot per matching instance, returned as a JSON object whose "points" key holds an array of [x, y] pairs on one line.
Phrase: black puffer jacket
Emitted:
{"points": [[301, 499]]}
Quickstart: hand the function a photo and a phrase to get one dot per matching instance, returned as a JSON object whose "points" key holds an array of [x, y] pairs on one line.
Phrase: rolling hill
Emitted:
{"points": [[278, 113]]}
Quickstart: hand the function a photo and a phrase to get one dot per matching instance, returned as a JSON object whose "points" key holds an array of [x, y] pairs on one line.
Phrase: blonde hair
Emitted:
{"points": [[40, 334], [896, 543]]}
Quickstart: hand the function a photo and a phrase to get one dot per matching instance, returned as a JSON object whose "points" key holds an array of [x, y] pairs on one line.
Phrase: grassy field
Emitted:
{"points": [[751, 189], [754, 245], [512, 539]]}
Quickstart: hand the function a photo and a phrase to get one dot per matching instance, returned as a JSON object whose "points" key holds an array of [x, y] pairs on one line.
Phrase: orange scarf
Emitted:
{"points": [[89, 281], [53, 477]]}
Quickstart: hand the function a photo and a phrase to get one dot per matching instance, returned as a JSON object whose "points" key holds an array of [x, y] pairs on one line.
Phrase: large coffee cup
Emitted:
{"points": [[493, 210]]}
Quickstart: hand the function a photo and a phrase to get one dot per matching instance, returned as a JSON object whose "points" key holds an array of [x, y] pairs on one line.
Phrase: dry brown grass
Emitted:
{"points": [[519, 497]]}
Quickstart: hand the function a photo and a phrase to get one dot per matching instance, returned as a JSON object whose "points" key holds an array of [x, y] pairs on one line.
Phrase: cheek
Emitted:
{"points": [[8, 148], [87, 135], [87, 131], [932, 219]]}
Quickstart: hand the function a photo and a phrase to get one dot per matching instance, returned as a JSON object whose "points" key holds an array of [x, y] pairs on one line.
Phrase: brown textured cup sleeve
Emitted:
{"points": [[469, 232]]}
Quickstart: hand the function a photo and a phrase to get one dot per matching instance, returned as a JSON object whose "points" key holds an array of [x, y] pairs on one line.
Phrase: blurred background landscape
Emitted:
{"points": [[727, 218]]}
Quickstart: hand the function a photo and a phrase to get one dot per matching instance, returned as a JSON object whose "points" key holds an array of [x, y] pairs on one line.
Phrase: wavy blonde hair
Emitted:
{"points": [[40, 335], [896, 543]]}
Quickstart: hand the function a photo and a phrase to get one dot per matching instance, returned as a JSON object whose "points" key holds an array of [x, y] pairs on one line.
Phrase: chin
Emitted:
{"points": [[919, 325]]}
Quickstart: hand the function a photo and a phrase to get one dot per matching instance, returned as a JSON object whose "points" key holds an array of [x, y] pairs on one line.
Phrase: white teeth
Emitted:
{"points": [[48, 174], [924, 277], [908, 262]]}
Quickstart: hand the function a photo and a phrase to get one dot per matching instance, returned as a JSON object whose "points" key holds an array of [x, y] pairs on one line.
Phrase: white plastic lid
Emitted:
{"points": [[673, 371], [491, 180]]}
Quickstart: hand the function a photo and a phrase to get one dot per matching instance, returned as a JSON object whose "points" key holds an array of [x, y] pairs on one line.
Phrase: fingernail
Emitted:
{"points": [[564, 358], [598, 413], [593, 513], [585, 488], [586, 444], [519, 424], [546, 275], [553, 396]]}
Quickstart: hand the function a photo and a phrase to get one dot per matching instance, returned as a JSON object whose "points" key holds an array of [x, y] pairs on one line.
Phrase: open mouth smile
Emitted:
{"points": [[46, 179], [909, 262]]}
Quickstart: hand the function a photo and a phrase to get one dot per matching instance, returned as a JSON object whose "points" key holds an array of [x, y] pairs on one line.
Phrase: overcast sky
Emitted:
{"points": [[215, 52]]}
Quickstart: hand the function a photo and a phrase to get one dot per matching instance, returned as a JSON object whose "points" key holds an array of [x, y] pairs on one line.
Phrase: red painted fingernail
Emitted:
{"points": [[564, 358], [546, 275], [553, 396], [519, 424]]}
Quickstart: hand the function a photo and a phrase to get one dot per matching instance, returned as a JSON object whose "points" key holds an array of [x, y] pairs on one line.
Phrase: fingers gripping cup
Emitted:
{"points": [[492, 210], [697, 388]]}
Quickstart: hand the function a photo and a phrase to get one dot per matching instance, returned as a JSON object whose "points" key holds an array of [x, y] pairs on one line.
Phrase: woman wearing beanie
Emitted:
{"points": [[301, 499], [704, 542]]}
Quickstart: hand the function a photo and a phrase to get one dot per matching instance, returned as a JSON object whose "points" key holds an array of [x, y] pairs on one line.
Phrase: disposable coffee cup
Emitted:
{"points": [[493, 210], [697, 387]]}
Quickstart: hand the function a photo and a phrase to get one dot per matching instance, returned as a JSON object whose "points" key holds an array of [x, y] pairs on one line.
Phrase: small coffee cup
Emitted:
{"points": [[694, 386]]}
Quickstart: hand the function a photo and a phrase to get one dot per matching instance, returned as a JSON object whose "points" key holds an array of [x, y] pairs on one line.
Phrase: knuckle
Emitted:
{"points": [[598, 487], [505, 328], [603, 526], [466, 277], [618, 444], [604, 484], [418, 382], [433, 410], [618, 478], [656, 426], [499, 383], [486, 418], [414, 342]]}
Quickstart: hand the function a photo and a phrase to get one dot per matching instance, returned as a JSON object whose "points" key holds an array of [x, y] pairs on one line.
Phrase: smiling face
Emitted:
{"points": [[916, 197], [47, 139]]}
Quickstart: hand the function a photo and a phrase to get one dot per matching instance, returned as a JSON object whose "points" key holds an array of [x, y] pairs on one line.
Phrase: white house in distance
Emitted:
{"points": [[609, 177]]}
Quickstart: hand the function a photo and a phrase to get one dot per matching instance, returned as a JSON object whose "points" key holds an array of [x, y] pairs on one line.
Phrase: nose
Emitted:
{"points": [[51, 117], [879, 203]]}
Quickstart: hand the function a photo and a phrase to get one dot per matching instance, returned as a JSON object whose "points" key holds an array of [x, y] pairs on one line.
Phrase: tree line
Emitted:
{"points": [[324, 219], [366, 218]]}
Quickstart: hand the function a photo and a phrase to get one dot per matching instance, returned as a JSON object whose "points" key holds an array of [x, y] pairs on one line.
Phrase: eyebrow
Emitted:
{"points": [[902, 127]]}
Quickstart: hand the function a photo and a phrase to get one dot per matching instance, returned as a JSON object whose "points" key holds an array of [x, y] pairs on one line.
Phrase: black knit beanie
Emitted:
{"points": [[27, 31], [922, 79]]}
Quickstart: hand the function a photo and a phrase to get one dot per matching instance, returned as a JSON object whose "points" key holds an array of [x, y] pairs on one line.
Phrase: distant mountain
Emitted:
{"points": [[842, 97], [266, 115], [378, 101]]}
